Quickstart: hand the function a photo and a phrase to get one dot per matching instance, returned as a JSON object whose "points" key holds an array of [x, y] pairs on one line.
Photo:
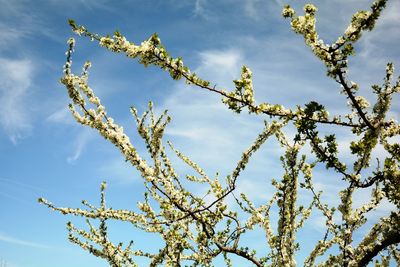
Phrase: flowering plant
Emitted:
{"points": [[196, 231]]}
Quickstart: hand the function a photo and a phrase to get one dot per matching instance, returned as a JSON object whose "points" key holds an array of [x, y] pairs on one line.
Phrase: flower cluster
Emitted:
{"points": [[243, 94]]}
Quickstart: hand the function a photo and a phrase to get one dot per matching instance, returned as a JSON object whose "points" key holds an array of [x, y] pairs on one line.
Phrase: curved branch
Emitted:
{"points": [[391, 238]]}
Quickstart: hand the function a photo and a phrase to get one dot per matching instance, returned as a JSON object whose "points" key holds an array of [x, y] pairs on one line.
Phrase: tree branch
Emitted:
{"points": [[391, 238]]}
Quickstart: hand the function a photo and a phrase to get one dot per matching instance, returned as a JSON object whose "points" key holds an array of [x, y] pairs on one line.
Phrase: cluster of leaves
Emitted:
{"points": [[195, 231]]}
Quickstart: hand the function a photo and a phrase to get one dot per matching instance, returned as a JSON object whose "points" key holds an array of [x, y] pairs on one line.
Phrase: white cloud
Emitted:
{"points": [[17, 199], [86, 4], [15, 80], [251, 9], [220, 64], [391, 14], [80, 143], [19, 191], [15, 22], [120, 171], [21, 242], [91, 4], [200, 11], [206, 131], [258, 9], [379, 46], [279, 2], [9, 35], [62, 115], [20, 184]]}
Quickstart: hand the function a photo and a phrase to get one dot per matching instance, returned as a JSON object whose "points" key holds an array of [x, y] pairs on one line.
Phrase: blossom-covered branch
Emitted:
{"points": [[197, 228]]}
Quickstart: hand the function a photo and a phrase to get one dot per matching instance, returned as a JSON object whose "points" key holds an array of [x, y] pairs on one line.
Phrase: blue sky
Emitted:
{"points": [[44, 153]]}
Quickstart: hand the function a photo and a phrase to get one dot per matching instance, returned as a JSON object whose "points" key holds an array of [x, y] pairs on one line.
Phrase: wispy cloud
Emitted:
{"points": [[258, 9], [16, 71], [199, 9], [376, 46], [12, 29], [61, 115], [119, 170], [15, 80], [16, 199], [79, 145], [220, 64], [250, 8], [21, 242], [87, 4], [9, 35], [279, 2], [19, 192], [20, 184]]}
